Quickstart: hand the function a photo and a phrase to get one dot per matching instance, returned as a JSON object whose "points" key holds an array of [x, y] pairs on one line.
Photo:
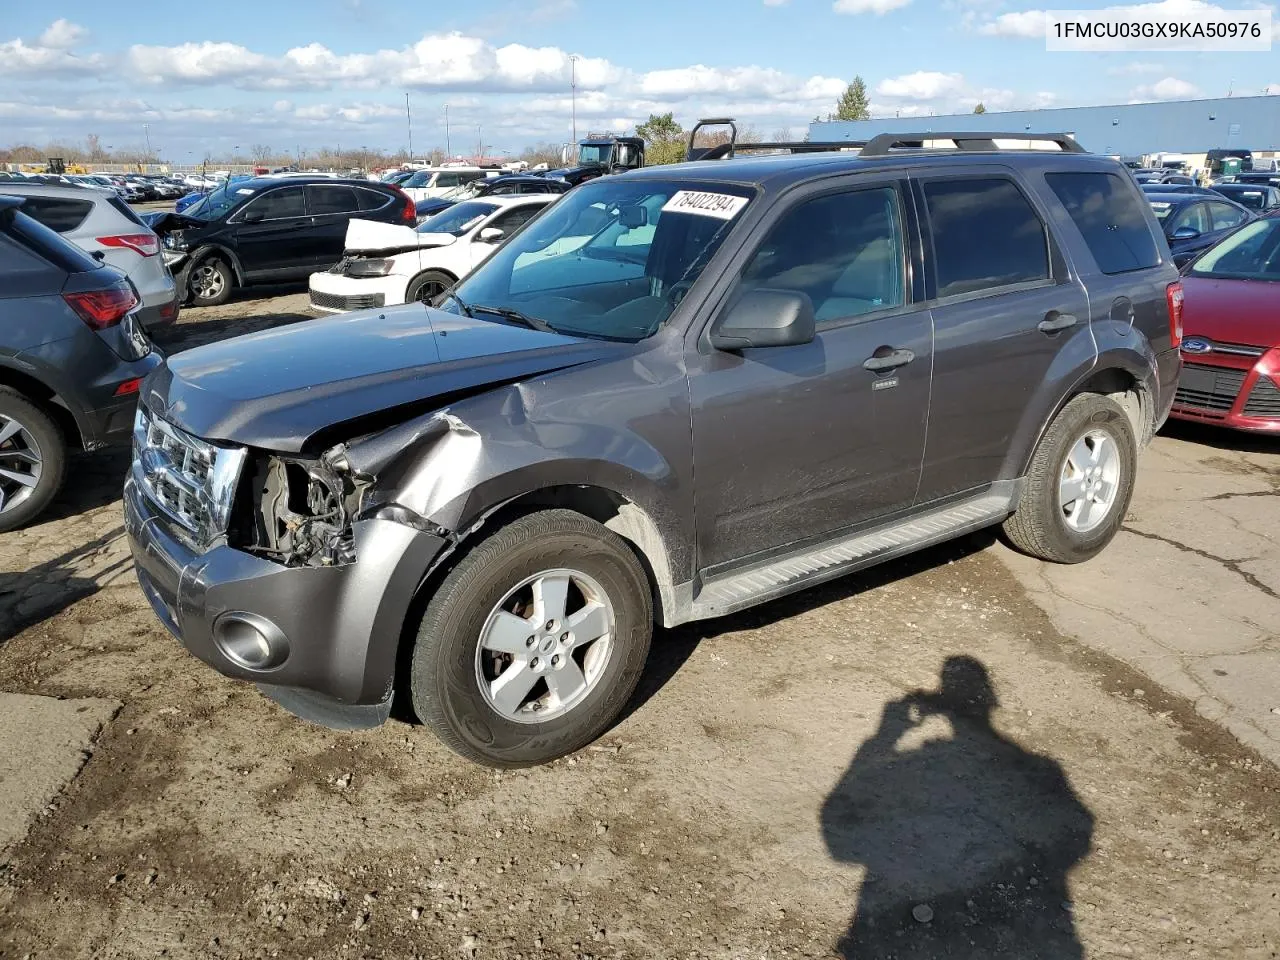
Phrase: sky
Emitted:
{"points": [[209, 78]]}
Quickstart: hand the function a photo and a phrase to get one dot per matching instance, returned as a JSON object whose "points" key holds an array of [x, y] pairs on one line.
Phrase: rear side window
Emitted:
{"points": [[1109, 217], [843, 250], [59, 214], [336, 199], [985, 235], [371, 199], [121, 207]]}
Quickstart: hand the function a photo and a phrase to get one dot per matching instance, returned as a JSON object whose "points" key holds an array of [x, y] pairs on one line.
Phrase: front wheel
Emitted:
{"points": [[210, 283], [534, 642], [1079, 483], [427, 286]]}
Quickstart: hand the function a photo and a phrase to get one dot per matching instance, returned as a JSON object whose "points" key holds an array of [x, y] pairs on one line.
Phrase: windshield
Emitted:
{"points": [[1251, 253], [600, 154], [457, 219], [218, 202], [611, 259], [419, 179]]}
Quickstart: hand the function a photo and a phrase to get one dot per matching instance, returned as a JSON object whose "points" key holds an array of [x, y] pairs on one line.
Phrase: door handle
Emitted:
{"points": [[1055, 321], [887, 361]]}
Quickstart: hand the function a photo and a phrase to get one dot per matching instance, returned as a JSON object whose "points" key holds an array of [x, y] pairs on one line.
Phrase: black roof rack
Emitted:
{"points": [[968, 141], [731, 148]]}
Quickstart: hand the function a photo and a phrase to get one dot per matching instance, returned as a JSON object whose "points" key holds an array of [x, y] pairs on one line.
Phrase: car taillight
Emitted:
{"points": [[1174, 295], [147, 244], [104, 308], [409, 213]]}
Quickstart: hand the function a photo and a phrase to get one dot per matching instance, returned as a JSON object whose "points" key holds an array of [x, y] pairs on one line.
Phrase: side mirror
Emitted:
{"points": [[1186, 233], [491, 235], [765, 318], [253, 216]]}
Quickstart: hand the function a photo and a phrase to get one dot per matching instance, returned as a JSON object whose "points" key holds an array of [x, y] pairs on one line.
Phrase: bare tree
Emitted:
{"points": [[260, 153]]}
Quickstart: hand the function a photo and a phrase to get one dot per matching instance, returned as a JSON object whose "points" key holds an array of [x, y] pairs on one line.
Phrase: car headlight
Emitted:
{"points": [[369, 268]]}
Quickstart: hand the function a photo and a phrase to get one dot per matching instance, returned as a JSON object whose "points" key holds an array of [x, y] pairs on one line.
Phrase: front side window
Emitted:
{"points": [[277, 205], [513, 220], [1194, 216], [612, 259], [1251, 253], [845, 251], [1109, 217], [985, 235]]}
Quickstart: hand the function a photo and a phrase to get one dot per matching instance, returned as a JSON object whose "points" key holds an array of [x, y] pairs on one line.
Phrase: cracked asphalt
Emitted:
{"points": [[963, 754]]}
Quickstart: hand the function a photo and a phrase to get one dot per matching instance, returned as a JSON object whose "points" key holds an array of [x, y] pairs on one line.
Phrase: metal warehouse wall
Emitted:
{"points": [[1131, 129]]}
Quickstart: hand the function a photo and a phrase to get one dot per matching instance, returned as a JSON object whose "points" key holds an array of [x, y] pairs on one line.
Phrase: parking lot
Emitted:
{"points": [[1048, 762]]}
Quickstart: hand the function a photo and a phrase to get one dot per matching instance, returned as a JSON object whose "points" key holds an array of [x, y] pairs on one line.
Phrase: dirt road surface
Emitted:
{"points": [[916, 762]]}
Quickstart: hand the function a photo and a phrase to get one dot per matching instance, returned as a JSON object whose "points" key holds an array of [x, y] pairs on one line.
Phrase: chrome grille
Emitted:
{"points": [[1235, 349], [190, 480]]}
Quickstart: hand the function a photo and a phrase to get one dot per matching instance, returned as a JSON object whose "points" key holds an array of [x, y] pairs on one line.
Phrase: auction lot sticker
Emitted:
{"points": [[722, 206]]}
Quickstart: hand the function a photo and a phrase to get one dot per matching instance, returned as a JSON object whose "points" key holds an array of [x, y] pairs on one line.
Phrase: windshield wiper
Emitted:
{"points": [[450, 295], [533, 323]]}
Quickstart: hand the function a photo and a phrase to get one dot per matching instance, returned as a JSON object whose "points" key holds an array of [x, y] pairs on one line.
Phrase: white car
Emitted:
{"points": [[437, 181], [384, 264]]}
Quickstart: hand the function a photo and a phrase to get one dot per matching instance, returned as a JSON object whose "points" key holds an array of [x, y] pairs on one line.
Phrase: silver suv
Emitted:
{"points": [[101, 223]]}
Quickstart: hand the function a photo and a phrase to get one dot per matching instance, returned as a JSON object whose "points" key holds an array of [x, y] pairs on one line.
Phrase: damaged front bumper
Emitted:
{"points": [[320, 640]]}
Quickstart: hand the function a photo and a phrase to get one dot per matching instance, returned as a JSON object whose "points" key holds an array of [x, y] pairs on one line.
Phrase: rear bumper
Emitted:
{"points": [[341, 625]]}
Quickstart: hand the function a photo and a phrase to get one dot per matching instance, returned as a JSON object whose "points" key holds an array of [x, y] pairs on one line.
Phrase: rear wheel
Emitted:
{"points": [[32, 460], [1079, 483], [534, 642], [210, 282], [425, 287]]}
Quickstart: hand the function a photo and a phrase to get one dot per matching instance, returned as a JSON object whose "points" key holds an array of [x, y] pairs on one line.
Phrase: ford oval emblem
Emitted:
{"points": [[1196, 345]]}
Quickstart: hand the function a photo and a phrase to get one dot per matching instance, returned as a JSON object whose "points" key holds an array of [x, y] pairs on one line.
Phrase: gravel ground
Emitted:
{"points": [[908, 763]]}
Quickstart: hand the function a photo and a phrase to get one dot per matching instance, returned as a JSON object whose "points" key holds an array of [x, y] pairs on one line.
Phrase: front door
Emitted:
{"points": [[271, 234], [1004, 306], [793, 444]]}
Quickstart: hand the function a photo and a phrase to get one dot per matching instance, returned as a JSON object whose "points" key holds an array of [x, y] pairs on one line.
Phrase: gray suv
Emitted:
{"points": [[674, 394]]}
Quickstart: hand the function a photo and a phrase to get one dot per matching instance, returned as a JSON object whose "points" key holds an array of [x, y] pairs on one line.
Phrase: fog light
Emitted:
{"points": [[250, 641]]}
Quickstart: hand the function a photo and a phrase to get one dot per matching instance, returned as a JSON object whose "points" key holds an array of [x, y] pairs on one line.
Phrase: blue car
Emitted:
{"points": [[1194, 222]]}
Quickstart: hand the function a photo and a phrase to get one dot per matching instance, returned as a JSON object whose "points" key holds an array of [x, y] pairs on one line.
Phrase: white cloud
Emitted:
{"points": [[1271, 90], [921, 85], [776, 3], [878, 7], [1132, 69], [1028, 24], [62, 35], [1170, 88]]}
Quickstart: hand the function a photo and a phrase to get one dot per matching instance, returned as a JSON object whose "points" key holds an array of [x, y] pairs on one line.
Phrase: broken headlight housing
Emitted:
{"points": [[297, 511], [368, 268]]}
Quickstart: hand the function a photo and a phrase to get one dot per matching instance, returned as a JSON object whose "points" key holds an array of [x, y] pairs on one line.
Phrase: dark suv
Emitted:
{"points": [[674, 394], [268, 230]]}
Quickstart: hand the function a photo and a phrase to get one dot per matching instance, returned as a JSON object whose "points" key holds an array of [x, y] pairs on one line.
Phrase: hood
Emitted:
{"points": [[163, 222], [576, 175], [353, 372], [1232, 311], [367, 235]]}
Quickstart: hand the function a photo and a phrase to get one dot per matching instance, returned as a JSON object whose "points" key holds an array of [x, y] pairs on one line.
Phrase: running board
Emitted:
{"points": [[745, 588]]}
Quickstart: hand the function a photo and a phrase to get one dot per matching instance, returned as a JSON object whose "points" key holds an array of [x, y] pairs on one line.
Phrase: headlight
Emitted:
{"points": [[369, 268]]}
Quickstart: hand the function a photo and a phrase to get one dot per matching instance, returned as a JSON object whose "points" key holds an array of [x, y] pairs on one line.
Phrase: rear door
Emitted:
{"points": [[271, 234], [1004, 305], [331, 207]]}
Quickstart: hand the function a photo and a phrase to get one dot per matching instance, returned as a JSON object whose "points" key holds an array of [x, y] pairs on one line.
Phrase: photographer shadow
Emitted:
{"points": [[966, 840]]}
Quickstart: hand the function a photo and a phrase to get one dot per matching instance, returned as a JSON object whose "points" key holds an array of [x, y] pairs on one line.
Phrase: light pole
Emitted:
{"points": [[409, 119], [146, 132], [447, 148], [479, 144], [573, 93]]}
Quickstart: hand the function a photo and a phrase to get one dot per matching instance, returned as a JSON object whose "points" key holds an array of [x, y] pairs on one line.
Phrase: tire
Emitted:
{"points": [[427, 286], [449, 662], [210, 282], [36, 435], [1072, 455]]}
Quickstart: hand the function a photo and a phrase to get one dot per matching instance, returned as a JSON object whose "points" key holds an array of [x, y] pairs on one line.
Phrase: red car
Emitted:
{"points": [[1231, 332]]}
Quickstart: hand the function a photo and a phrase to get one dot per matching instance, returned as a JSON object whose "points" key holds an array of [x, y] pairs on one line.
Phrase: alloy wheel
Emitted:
{"points": [[1089, 481], [21, 463]]}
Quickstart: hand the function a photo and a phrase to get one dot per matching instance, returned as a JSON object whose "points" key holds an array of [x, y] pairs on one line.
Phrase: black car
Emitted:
{"points": [[1258, 197], [516, 183], [269, 229], [72, 355], [1193, 222]]}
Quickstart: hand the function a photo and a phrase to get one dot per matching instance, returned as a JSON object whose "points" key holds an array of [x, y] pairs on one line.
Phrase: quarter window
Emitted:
{"points": [[1109, 217], [843, 250], [371, 199], [59, 214], [985, 235]]}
